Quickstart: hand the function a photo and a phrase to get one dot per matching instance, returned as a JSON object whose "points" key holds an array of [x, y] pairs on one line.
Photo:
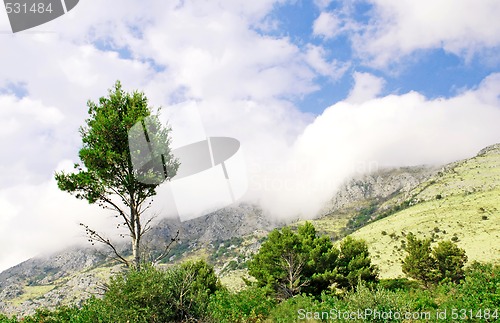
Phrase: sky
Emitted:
{"points": [[315, 91]]}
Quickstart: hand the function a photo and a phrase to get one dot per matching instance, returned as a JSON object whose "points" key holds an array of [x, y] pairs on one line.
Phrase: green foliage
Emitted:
{"points": [[139, 296], [292, 263], [363, 216], [419, 263], [105, 153], [130, 300], [398, 284], [443, 263], [249, 305], [481, 287], [6, 319], [294, 308], [354, 264], [92, 311], [450, 261], [153, 295], [378, 300], [107, 174]]}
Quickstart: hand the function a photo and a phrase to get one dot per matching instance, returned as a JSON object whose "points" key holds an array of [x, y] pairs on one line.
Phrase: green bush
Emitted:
{"points": [[398, 284], [93, 311], [6, 319], [305, 262], [480, 289], [443, 263], [249, 305], [153, 295], [380, 300], [296, 308]]}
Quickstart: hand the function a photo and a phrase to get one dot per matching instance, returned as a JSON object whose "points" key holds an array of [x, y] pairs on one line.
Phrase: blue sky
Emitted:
{"points": [[433, 72], [315, 91]]}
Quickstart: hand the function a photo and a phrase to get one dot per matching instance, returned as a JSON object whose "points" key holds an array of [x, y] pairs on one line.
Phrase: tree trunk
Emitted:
{"points": [[135, 235]]}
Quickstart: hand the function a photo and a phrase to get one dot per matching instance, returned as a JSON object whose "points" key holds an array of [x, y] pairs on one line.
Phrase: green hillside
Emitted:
{"points": [[461, 202]]}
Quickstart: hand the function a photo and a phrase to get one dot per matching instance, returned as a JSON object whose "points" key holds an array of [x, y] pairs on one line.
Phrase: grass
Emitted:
{"points": [[32, 292], [233, 280], [462, 201]]}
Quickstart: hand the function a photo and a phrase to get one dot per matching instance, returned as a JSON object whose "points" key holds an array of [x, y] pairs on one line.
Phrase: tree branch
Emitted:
{"points": [[94, 236], [167, 248]]}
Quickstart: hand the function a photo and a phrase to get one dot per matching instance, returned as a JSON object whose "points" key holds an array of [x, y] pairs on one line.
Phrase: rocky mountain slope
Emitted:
{"points": [[73, 274], [461, 202]]}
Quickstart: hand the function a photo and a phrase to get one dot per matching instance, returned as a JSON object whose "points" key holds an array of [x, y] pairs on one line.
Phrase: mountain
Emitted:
{"points": [[73, 274], [458, 201], [461, 202]]}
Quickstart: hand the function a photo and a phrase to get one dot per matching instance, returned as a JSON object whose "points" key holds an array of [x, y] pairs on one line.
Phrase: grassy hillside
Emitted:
{"points": [[462, 202]]}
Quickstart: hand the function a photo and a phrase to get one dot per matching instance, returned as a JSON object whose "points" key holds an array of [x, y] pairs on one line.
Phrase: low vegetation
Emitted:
{"points": [[300, 276]]}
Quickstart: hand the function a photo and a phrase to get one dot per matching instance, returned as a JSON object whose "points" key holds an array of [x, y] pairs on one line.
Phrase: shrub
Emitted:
{"points": [[296, 308], [290, 263], [154, 295], [380, 300], [396, 284], [419, 263], [354, 264], [249, 305], [6, 319], [481, 287]]}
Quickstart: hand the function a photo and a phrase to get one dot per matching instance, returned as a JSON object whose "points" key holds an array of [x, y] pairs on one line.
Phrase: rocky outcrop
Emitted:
{"points": [[379, 186], [493, 149]]}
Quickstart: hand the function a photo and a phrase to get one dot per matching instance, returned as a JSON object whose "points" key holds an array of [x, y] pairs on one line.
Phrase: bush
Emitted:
{"points": [[398, 284], [92, 311], [6, 319], [450, 261], [153, 295], [380, 300], [296, 308], [249, 305], [481, 287], [291, 263]]}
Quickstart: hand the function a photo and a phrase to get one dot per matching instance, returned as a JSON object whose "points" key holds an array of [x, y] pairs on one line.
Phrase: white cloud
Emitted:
{"points": [[316, 58], [400, 28], [322, 4], [327, 25], [43, 219], [366, 87], [395, 130], [210, 52]]}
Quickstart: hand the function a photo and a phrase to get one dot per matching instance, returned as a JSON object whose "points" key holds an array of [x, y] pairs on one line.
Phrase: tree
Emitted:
{"points": [[450, 261], [291, 262], [419, 263], [108, 176], [445, 262], [354, 263], [279, 263]]}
